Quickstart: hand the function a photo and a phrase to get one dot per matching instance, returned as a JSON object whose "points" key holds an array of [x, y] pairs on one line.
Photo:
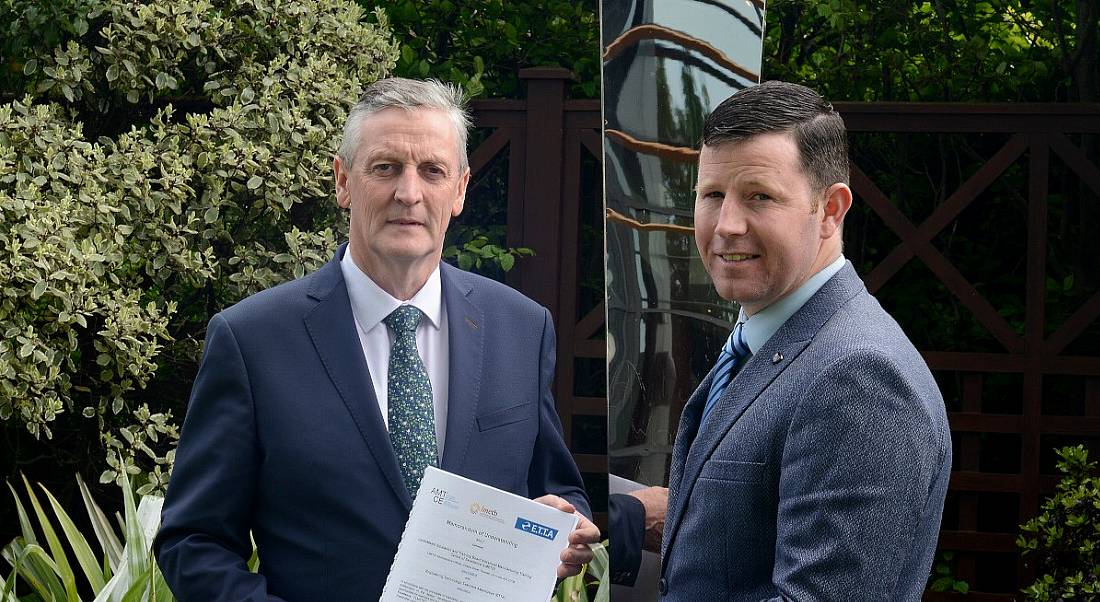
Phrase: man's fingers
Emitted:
{"points": [[585, 533], [576, 554], [568, 570], [556, 502]]}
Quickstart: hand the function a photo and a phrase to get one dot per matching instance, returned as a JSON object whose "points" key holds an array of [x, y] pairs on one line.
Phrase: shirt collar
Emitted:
{"points": [[370, 304], [758, 328]]}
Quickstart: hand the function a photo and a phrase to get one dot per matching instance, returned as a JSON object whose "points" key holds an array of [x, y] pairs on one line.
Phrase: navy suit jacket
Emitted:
{"points": [[821, 472], [284, 438], [626, 518]]}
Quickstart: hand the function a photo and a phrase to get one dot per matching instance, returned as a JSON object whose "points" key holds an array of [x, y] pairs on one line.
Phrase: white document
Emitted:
{"points": [[466, 541]]}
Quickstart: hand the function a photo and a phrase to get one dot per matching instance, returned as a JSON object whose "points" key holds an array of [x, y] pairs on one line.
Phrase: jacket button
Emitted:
{"points": [[662, 586]]}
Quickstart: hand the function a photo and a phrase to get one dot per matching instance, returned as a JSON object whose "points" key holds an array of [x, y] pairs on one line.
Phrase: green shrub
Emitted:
{"points": [[159, 161], [943, 575], [482, 44], [1065, 538]]}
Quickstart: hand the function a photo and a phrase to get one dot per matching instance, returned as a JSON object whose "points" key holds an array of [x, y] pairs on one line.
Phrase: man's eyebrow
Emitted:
{"points": [[387, 155], [374, 154]]}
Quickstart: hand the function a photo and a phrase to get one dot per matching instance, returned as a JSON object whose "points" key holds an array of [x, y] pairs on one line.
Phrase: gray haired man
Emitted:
{"points": [[320, 402]]}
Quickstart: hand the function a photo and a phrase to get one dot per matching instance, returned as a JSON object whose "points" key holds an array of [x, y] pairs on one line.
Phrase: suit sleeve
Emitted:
{"points": [[552, 468], [858, 468], [626, 516], [203, 543]]}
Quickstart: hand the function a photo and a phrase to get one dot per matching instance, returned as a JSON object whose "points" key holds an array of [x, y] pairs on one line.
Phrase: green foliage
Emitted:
{"points": [[478, 253], [971, 51], [943, 576], [159, 161], [145, 431], [977, 50], [593, 576], [1065, 538], [483, 44], [125, 570]]}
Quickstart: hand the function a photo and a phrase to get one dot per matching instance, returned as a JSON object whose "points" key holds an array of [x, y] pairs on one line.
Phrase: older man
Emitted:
{"points": [[320, 402], [813, 460]]}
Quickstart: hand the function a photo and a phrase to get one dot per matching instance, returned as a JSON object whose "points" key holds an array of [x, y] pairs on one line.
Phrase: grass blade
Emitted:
{"points": [[8, 593], [104, 532], [598, 568], [83, 552], [254, 559], [161, 591], [135, 538], [40, 572], [138, 588], [24, 521], [58, 558]]}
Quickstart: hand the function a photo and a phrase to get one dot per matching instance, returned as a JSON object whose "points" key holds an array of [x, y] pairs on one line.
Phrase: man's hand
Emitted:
{"points": [[586, 533], [655, 501]]}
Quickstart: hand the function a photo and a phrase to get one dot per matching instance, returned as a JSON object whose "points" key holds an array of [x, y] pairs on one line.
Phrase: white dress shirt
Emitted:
{"points": [[370, 305]]}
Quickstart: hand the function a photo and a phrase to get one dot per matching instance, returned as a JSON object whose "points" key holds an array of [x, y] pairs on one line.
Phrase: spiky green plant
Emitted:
{"points": [[125, 570], [595, 573]]}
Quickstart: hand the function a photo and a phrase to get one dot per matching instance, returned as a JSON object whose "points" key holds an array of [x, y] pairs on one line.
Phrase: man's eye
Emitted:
{"points": [[713, 194], [383, 168], [760, 196], [435, 171]]}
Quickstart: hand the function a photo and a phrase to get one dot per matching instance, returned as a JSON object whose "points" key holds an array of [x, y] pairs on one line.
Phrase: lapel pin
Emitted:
{"points": [[778, 357], [471, 323]]}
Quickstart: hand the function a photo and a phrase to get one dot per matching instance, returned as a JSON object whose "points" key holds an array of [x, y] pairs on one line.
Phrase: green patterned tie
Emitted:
{"points": [[411, 409]]}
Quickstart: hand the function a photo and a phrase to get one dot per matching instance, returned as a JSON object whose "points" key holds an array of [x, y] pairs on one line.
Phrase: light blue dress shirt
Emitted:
{"points": [[760, 327]]}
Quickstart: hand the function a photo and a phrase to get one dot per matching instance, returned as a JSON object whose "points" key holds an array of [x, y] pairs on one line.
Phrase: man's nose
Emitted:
{"points": [[732, 218], [409, 187]]}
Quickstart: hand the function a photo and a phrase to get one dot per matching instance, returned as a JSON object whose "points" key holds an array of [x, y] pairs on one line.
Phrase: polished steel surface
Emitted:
{"points": [[667, 63]]}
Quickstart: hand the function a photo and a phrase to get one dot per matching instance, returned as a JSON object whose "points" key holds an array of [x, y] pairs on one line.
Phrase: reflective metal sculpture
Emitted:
{"points": [[667, 63]]}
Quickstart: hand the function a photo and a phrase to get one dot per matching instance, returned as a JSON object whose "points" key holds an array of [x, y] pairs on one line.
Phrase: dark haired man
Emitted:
{"points": [[813, 460]]}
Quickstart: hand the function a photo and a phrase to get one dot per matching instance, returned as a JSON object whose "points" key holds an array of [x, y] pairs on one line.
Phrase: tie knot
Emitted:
{"points": [[403, 319], [735, 344]]}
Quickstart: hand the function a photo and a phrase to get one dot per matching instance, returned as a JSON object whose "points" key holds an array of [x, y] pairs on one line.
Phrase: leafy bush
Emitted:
{"points": [[943, 575], [1065, 537], [482, 44], [159, 160]]}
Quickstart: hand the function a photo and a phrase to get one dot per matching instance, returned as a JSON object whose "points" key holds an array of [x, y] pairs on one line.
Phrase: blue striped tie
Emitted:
{"points": [[734, 352]]}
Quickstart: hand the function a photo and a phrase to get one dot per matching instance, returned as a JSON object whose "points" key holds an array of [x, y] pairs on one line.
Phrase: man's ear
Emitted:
{"points": [[340, 172], [836, 203], [460, 199]]}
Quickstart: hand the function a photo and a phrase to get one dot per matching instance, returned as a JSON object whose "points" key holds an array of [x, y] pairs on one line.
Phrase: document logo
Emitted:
{"points": [[536, 529], [441, 497], [483, 511]]}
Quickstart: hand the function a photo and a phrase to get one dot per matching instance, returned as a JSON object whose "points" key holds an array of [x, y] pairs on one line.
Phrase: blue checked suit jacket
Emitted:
{"points": [[821, 474], [283, 436]]}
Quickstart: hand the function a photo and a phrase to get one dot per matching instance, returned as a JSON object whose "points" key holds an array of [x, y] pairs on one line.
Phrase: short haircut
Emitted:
{"points": [[776, 106], [408, 94]]}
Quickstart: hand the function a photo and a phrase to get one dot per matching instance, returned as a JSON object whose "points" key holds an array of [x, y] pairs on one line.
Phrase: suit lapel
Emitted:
{"points": [[331, 326], [685, 434], [466, 326], [687, 431], [695, 446], [749, 383]]}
